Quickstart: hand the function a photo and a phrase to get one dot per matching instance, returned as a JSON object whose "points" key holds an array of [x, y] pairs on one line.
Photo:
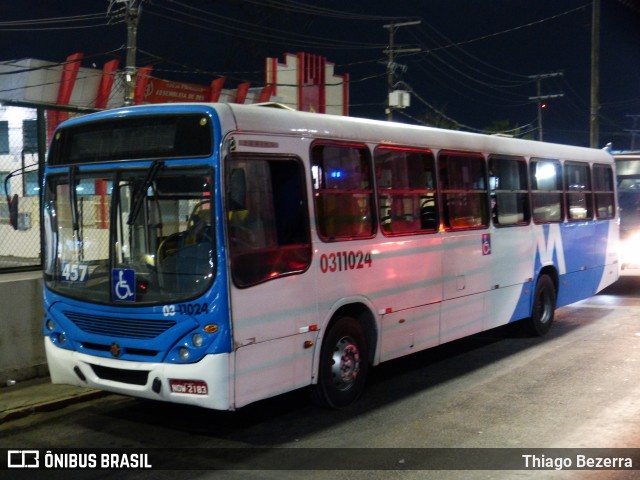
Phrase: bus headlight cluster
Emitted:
{"points": [[57, 337], [192, 347]]}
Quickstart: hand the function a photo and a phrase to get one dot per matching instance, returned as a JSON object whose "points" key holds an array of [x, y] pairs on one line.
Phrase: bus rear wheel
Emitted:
{"points": [[343, 365], [544, 305]]}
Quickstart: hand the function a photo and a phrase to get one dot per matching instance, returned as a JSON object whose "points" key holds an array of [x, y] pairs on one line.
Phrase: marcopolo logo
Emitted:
{"points": [[23, 459]]}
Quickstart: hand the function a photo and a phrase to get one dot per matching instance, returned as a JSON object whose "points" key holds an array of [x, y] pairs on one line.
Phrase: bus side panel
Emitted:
{"points": [[409, 331], [512, 254], [609, 234], [508, 304], [405, 283], [589, 252], [462, 316], [270, 325], [584, 247], [576, 286], [269, 368], [466, 277], [400, 277]]}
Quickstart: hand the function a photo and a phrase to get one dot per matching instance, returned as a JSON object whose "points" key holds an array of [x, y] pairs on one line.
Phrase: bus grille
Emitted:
{"points": [[119, 327], [133, 377]]}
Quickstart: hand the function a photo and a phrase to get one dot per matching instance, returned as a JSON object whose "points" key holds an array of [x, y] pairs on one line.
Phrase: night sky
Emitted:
{"points": [[474, 68]]}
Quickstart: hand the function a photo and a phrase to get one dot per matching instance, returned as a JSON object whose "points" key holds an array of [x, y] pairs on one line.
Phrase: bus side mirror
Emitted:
{"points": [[13, 211]]}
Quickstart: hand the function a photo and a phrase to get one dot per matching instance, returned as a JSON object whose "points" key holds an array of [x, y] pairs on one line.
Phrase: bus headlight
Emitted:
{"points": [[630, 250], [50, 325], [194, 345], [184, 353]]}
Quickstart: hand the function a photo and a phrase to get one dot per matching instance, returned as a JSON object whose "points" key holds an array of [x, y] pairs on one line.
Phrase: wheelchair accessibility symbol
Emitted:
{"points": [[123, 283], [486, 244]]}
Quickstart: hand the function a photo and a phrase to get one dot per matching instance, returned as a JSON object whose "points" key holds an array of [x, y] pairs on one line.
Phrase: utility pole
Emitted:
{"points": [[130, 10], [539, 97], [594, 133], [391, 65], [132, 15]]}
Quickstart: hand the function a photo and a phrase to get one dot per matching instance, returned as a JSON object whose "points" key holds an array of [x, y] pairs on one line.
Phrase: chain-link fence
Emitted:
{"points": [[25, 130]]}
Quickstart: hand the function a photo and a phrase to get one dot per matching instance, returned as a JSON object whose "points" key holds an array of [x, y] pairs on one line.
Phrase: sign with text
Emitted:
{"points": [[164, 91]]}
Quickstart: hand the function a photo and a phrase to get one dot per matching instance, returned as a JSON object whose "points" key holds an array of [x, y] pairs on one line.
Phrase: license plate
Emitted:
{"points": [[189, 387]]}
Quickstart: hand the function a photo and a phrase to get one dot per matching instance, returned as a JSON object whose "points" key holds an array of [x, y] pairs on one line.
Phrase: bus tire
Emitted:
{"points": [[543, 309], [343, 365]]}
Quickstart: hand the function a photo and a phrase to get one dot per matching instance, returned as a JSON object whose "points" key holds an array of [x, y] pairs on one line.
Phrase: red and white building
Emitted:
{"points": [[303, 82]]}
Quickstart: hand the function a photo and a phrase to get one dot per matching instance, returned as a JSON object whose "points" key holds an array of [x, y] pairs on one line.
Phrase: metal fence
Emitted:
{"points": [[25, 130]]}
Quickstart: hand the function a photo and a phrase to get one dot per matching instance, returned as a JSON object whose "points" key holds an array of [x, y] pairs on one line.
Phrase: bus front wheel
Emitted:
{"points": [[544, 305], [343, 364]]}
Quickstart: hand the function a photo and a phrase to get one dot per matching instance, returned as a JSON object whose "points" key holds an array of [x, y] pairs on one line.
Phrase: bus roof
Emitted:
{"points": [[285, 121], [253, 118]]}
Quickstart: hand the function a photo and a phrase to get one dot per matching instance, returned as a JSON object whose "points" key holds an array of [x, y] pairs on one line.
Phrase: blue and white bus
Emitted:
{"points": [[216, 255]]}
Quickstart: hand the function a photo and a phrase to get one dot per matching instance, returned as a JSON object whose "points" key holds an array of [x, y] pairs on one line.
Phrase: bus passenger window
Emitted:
{"points": [[603, 191], [343, 191], [546, 191], [578, 188], [464, 190], [237, 190], [267, 220], [509, 191], [406, 190]]}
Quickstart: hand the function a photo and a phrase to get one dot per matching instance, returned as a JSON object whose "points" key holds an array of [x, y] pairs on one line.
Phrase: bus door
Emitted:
{"points": [[512, 244], [409, 261], [466, 244], [273, 303]]}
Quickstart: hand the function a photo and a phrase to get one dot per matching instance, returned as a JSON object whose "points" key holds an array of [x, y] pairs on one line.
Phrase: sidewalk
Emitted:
{"points": [[40, 395]]}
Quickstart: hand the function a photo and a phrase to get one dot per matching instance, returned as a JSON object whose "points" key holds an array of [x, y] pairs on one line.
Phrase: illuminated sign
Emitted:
{"points": [[164, 91]]}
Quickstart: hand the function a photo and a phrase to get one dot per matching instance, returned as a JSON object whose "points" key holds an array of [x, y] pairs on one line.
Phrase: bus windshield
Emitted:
{"points": [[131, 236]]}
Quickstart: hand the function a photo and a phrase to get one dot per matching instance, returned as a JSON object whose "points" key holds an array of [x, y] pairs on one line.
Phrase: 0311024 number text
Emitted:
{"points": [[343, 261]]}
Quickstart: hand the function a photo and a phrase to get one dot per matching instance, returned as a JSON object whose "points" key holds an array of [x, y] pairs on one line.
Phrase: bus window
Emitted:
{"points": [[578, 187], [343, 191], [464, 190], [603, 191], [267, 221], [546, 191], [406, 190], [509, 191]]}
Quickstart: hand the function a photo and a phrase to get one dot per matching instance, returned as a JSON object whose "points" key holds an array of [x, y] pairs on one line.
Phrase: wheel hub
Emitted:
{"points": [[346, 363]]}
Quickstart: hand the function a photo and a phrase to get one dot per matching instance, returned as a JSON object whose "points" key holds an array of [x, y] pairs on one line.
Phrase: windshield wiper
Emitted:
{"points": [[75, 214], [141, 193]]}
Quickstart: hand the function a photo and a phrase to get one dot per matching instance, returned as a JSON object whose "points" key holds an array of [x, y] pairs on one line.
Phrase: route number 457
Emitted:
{"points": [[74, 272]]}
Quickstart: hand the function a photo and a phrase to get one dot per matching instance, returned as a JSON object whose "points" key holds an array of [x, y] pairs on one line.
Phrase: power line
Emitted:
{"points": [[221, 24], [297, 7], [55, 23], [510, 30], [73, 18]]}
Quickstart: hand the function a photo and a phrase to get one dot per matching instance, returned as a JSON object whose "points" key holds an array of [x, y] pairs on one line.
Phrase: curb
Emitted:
{"points": [[49, 405]]}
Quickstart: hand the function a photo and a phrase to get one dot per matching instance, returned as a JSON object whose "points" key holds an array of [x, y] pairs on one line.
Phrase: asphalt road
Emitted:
{"points": [[576, 388]]}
